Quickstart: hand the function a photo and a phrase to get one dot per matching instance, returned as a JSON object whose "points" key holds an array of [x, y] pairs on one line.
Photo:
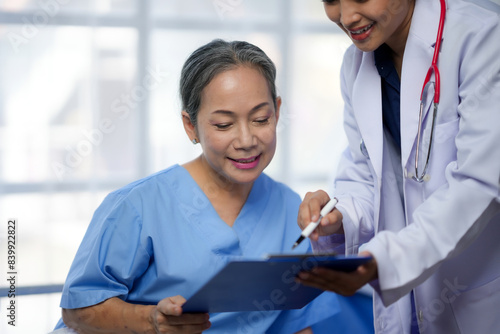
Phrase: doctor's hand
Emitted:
{"points": [[167, 317], [309, 211], [343, 283]]}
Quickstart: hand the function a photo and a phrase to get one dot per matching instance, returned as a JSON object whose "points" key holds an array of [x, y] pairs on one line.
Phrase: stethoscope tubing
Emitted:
{"points": [[434, 66], [437, 94]]}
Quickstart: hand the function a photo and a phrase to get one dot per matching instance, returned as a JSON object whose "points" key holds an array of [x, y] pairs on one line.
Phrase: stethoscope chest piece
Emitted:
{"points": [[424, 178]]}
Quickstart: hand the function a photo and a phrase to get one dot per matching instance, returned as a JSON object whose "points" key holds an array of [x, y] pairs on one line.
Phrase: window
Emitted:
{"points": [[89, 102]]}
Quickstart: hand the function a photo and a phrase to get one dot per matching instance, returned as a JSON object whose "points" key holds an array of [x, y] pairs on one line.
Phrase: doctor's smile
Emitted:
{"points": [[362, 33], [372, 23]]}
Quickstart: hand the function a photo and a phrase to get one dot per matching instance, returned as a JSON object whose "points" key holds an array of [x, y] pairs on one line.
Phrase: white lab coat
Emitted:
{"points": [[443, 239]]}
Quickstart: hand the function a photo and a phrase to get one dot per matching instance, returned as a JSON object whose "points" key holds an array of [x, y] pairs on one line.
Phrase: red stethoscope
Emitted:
{"points": [[437, 85]]}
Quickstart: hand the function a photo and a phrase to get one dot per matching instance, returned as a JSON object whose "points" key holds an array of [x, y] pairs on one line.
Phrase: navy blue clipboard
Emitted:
{"points": [[265, 285]]}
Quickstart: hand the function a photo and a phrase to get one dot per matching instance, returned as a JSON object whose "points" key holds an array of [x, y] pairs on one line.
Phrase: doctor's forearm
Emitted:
{"points": [[110, 316]]}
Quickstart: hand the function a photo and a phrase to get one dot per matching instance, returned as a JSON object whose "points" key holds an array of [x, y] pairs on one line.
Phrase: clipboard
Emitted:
{"points": [[265, 285]]}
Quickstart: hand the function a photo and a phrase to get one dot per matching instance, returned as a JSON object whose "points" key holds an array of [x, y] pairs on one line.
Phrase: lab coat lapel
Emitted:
{"points": [[367, 103], [416, 62]]}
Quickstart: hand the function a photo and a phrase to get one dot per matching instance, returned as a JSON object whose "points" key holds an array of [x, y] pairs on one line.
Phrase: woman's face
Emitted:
{"points": [[237, 124], [370, 23]]}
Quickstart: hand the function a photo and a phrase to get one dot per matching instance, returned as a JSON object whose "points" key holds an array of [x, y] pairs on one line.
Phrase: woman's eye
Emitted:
{"points": [[222, 126], [262, 120], [329, 1]]}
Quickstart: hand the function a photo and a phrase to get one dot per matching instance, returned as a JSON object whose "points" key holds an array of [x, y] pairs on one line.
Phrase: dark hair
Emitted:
{"points": [[216, 57]]}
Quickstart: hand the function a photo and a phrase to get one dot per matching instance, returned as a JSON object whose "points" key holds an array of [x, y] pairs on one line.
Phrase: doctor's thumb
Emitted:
{"points": [[332, 223]]}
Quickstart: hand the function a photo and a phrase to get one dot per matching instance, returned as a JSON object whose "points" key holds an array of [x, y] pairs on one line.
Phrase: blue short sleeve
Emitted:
{"points": [[112, 255]]}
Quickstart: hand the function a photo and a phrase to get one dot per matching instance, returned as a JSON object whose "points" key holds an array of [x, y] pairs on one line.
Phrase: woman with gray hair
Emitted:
{"points": [[159, 239]]}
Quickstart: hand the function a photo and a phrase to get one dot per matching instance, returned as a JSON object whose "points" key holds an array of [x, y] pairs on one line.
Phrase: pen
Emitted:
{"points": [[312, 226]]}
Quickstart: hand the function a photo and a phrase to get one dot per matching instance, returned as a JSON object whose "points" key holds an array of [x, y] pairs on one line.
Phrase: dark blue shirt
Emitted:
{"points": [[391, 85]]}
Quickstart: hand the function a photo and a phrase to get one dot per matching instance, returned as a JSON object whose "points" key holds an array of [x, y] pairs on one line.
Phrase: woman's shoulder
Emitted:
{"points": [[479, 9], [165, 180], [472, 31], [472, 15], [278, 188], [142, 194], [169, 173]]}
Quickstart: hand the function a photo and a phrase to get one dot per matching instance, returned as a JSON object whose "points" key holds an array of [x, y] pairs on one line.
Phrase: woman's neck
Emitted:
{"points": [[397, 42], [226, 197]]}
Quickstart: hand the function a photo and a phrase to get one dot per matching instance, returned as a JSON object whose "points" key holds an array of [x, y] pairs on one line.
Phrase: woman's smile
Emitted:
{"points": [[246, 163], [361, 33]]}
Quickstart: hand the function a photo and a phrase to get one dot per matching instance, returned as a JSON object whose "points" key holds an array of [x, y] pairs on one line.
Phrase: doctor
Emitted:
{"points": [[430, 219]]}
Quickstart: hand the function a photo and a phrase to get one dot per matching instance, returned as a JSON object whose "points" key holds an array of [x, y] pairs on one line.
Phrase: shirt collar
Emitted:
{"points": [[385, 66]]}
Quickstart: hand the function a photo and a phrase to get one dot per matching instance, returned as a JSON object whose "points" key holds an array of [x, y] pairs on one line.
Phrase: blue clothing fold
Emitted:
{"points": [[160, 237], [391, 93]]}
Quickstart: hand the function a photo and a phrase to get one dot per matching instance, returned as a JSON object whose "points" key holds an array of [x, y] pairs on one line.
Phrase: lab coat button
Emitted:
{"points": [[420, 316], [381, 324], [427, 177], [362, 148]]}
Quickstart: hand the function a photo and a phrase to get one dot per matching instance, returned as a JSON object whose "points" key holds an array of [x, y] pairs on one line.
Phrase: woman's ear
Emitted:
{"points": [[189, 127], [278, 106]]}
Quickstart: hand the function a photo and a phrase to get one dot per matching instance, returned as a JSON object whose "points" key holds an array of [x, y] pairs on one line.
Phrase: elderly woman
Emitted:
{"points": [[156, 241]]}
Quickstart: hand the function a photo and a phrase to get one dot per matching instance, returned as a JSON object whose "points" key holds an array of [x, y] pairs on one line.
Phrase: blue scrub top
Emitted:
{"points": [[160, 237]]}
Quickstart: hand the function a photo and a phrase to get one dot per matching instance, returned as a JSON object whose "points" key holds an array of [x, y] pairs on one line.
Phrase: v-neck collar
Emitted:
{"points": [[222, 237]]}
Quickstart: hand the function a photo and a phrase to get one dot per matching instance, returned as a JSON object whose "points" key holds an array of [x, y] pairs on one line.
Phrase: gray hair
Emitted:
{"points": [[214, 58]]}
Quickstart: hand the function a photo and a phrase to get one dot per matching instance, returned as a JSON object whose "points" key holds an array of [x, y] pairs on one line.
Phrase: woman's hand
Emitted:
{"points": [[343, 283], [309, 211], [167, 317], [117, 316]]}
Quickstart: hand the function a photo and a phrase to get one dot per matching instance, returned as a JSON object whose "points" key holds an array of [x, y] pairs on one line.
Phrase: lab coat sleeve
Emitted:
{"points": [[354, 183], [455, 214]]}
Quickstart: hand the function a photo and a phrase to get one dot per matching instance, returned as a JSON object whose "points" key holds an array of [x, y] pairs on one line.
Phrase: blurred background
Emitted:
{"points": [[89, 102]]}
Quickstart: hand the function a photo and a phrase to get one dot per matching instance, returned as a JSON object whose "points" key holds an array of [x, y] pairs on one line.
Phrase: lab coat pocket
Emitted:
{"points": [[443, 151], [476, 310]]}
